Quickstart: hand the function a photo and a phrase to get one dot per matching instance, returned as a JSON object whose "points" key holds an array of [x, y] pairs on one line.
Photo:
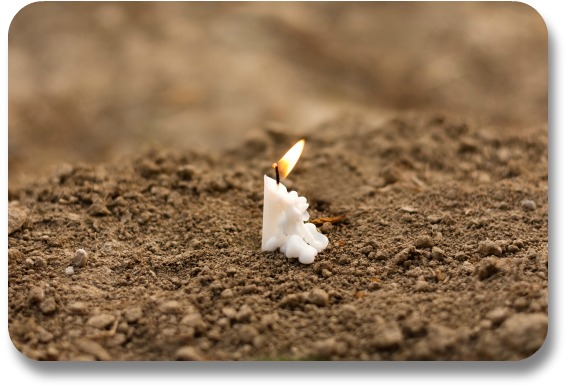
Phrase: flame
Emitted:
{"points": [[289, 160]]}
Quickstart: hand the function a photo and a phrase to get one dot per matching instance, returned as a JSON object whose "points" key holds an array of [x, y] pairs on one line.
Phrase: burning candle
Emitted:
{"points": [[285, 214]]}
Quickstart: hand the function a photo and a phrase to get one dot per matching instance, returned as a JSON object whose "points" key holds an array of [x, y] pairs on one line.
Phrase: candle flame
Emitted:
{"points": [[289, 160]]}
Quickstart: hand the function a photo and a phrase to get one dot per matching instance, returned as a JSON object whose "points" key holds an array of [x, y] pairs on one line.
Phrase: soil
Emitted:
{"points": [[442, 253]]}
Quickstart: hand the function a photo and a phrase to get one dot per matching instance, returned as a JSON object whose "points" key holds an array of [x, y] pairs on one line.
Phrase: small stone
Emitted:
{"points": [[147, 168], [327, 348], [188, 353], [101, 321], [423, 242], [326, 228], [247, 333], [116, 340], [401, 256], [414, 326], [487, 268], [318, 297], [186, 172], [512, 248], [489, 248], [133, 314], [422, 286], [69, 271], [170, 307], [437, 254], [245, 314], [497, 315], [215, 334], [39, 262], [374, 286], [78, 308], [80, 258], [291, 300], [29, 263], [227, 293], [388, 337], [44, 336], [195, 321], [468, 267], [99, 209], [229, 312], [93, 348], [48, 306], [17, 216], [528, 205], [525, 333], [408, 209], [269, 320], [36, 294]]}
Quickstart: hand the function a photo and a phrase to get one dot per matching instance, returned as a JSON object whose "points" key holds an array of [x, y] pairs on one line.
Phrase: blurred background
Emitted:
{"points": [[92, 81]]}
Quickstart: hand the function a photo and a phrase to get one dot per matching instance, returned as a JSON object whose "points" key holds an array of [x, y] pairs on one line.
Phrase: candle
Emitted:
{"points": [[285, 214]]}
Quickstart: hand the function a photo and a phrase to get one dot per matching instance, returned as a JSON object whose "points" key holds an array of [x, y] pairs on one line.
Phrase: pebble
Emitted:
{"points": [[101, 321], [44, 336], [423, 242], [36, 294], [99, 209], [414, 326], [528, 205], [489, 248], [437, 254], [387, 337], [247, 333], [401, 256], [291, 300], [227, 293], [39, 262], [170, 307], [328, 347], [69, 271], [408, 209], [188, 353], [525, 332], [326, 228], [116, 340], [195, 321], [468, 267], [422, 286], [78, 308], [498, 315], [269, 320], [48, 306], [487, 268], [229, 312], [186, 172], [318, 297], [245, 314], [93, 348], [133, 314], [17, 216], [29, 263], [80, 258]]}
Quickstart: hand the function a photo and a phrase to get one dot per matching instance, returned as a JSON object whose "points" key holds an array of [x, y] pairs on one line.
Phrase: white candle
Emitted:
{"points": [[285, 214]]}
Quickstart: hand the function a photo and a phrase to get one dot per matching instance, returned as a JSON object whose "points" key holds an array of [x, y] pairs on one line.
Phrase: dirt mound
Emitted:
{"points": [[442, 254]]}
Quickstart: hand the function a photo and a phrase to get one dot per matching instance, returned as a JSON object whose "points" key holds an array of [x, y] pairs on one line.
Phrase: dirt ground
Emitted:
{"points": [[141, 133]]}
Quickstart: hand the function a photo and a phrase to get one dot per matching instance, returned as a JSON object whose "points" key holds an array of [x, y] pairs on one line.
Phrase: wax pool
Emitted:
{"points": [[284, 224]]}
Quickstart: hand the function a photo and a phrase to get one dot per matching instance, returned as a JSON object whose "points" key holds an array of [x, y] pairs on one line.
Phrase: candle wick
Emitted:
{"points": [[275, 167]]}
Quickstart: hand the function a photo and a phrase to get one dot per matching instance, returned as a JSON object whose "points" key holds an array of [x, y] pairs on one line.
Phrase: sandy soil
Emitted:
{"points": [[443, 251]]}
